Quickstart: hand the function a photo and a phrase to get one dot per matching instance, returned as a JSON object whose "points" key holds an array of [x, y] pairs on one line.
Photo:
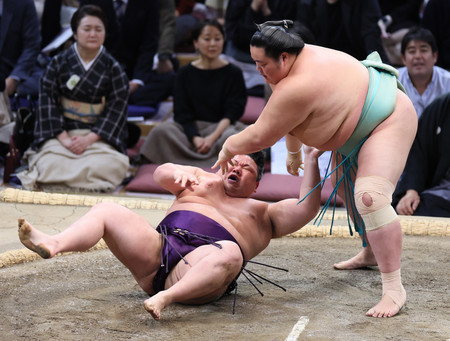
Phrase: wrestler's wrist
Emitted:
{"points": [[294, 153], [226, 152]]}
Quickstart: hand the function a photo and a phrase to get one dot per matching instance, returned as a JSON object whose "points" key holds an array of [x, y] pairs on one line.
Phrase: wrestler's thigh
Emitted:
{"points": [[132, 240], [335, 177], [209, 256], [386, 150]]}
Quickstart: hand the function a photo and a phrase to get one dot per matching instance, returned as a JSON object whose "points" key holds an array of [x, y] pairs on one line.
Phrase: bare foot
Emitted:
{"points": [[154, 305], [363, 259], [33, 239], [387, 307]]}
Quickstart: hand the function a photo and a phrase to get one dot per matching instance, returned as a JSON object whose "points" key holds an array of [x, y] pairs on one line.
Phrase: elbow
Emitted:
{"points": [[313, 210], [161, 171]]}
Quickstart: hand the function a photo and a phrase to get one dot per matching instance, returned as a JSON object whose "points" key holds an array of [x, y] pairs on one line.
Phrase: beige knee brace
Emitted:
{"points": [[373, 197]]}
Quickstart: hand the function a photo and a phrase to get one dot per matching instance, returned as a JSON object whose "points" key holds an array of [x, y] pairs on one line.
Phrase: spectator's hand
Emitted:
{"points": [[294, 162], [66, 141], [408, 203], [203, 144], [80, 144], [164, 66], [134, 86], [383, 24], [11, 85]]}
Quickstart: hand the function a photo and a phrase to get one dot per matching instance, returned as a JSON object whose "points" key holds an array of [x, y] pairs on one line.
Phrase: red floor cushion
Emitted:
{"points": [[275, 187], [253, 109]]}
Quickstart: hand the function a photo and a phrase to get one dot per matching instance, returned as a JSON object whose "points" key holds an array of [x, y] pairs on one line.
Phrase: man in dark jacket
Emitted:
{"points": [[424, 188]]}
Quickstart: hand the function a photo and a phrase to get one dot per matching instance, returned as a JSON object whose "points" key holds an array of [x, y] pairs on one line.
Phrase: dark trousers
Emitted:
{"points": [[433, 206]]}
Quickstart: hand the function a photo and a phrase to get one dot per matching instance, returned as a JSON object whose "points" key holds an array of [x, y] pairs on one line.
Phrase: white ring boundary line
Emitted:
{"points": [[298, 329]]}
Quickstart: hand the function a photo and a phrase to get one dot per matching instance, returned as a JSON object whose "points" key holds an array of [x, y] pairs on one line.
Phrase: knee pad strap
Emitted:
{"points": [[380, 218]]}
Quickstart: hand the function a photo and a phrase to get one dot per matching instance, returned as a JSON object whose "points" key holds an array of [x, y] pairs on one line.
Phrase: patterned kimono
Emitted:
{"points": [[104, 86]]}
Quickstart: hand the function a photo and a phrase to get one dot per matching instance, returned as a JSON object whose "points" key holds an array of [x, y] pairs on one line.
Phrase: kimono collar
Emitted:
{"points": [[86, 66]]}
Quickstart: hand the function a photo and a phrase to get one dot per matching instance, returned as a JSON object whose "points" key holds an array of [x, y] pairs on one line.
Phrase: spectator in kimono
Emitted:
{"points": [[80, 130]]}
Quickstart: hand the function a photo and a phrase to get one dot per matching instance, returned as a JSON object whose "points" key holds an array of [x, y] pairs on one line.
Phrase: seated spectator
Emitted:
{"points": [[345, 25], [424, 188], [133, 41], [80, 130], [19, 48], [436, 17], [398, 17], [422, 79], [209, 99]]}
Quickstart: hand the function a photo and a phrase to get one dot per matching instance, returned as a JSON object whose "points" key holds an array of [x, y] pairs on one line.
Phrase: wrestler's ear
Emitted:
{"points": [[256, 186]]}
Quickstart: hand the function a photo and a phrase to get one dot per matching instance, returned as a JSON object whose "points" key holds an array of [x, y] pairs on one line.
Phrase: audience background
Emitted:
{"points": [[209, 99], [422, 79], [424, 188], [398, 17], [345, 25], [19, 49], [80, 129], [147, 39], [436, 18]]}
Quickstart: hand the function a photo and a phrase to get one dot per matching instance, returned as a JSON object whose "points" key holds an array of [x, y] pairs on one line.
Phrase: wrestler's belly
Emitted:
{"points": [[251, 237], [331, 133]]}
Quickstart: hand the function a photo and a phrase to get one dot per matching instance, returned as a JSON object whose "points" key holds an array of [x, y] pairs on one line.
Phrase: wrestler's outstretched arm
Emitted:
{"points": [[284, 111], [176, 178], [288, 215]]}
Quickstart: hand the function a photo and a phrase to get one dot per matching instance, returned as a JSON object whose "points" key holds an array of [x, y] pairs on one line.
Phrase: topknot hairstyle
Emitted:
{"points": [[276, 38]]}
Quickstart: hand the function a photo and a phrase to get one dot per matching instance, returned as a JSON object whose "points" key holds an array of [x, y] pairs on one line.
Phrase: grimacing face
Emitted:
{"points": [[240, 179]]}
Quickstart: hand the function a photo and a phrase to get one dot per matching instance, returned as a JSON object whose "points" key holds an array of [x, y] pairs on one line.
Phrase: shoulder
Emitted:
{"points": [[403, 74], [442, 73], [62, 57], [230, 67], [187, 69], [402, 70]]}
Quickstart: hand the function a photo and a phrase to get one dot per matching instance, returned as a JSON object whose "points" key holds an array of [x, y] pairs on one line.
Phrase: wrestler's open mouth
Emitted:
{"points": [[233, 178]]}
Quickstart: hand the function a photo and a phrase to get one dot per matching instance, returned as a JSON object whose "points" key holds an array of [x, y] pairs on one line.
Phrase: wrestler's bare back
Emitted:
{"points": [[246, 219]]}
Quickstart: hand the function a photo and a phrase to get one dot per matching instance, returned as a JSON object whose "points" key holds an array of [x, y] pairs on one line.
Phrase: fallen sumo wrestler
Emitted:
{"points": [[210, 232]]}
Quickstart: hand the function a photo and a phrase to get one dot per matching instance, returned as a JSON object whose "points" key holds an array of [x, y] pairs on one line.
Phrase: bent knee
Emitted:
{"points": [[373, 197], [106, 206], [231, 257]]}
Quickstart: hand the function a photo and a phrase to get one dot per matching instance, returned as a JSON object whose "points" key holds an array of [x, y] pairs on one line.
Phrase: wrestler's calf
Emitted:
{"points": [[373, 197]]}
